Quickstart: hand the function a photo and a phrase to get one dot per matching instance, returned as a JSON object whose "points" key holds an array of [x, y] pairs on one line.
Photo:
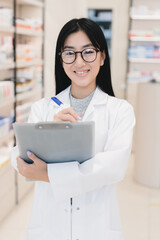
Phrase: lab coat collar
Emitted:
{"points": [[99, 98]]}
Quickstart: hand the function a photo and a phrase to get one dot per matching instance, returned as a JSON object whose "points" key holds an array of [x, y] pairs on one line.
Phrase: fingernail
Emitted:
{"points": [[79, 118], [29, 153]]}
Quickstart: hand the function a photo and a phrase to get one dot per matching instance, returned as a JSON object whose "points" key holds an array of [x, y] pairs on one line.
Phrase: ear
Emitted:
{"points": [[103, 57]]}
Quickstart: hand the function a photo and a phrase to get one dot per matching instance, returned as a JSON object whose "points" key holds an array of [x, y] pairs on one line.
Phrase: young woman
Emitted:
{"points": [[78, 201]]}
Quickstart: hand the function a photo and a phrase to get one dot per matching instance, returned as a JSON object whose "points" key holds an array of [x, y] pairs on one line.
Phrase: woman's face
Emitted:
{"points": [[82, 74]]}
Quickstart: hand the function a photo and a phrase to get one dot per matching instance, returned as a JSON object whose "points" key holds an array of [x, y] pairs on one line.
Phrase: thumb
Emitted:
{"points": [[33, 157]]}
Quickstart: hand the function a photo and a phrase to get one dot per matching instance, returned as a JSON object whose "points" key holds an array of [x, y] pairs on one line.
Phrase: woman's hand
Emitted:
{"points": [[35, 171], [67, 115]]}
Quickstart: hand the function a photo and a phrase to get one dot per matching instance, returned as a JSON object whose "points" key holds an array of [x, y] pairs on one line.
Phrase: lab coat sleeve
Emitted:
{"points": [[108, 167]]}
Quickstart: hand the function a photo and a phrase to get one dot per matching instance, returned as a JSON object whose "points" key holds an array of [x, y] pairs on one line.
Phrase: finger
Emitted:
{"points": [[20, 161], [21, 165], [67, 118], [71, 112], [33, 157], [64, 118]]}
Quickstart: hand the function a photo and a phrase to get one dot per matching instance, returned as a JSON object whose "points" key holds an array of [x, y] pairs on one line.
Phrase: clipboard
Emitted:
{"points": [[56, 142]]}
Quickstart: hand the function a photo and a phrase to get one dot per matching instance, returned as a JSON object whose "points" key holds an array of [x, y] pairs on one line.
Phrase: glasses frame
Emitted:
{"points": [[81, 52]]}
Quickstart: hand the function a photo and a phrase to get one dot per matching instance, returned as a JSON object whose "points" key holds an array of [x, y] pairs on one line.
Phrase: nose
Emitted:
{"points": [[79, 60]]}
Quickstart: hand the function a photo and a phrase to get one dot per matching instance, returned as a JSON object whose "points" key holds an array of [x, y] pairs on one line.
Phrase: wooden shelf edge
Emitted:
{"points": [[35, 3], [22, 31], [7, 66], [144, 17], [6, 102], [28, 94], [145, 39], [6, 29], [28, 64], [20, 64], [144, 60]]}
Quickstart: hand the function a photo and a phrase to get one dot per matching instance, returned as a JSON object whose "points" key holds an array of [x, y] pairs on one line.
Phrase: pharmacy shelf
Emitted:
{"points": [[7, 66], [145, 39], [31, 2], [6, 29], [29, 94], [144, 60], [29, 63], [23, 31], [7, 102], [7, 137], [145, 17], [15, 190]]}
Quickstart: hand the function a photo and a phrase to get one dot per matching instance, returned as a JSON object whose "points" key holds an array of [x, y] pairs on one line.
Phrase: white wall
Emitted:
{"points": [[119, 39], [57, 13]]}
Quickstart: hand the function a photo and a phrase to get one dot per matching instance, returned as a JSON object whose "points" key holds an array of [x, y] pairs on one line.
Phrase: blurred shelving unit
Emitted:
{"points": [[142, 81], [21, 83], [7, 101], [143, 63], [5, 66]]}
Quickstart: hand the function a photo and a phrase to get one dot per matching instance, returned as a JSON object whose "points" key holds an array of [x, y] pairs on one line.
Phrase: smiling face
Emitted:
{"points": [[82, 74]]}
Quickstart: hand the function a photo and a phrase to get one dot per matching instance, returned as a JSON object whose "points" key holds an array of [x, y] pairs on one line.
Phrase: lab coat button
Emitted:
{"points": [[77, 210]]}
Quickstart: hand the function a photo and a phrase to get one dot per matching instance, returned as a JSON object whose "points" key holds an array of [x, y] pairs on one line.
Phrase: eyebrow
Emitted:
{"points": [[87, 45]]}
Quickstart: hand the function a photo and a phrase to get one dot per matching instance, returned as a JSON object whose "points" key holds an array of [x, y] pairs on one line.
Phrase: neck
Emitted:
{"points": [[81, 93]]}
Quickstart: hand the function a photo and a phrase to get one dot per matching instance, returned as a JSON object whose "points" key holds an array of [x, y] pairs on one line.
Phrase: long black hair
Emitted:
{"points": [[96, 36]]}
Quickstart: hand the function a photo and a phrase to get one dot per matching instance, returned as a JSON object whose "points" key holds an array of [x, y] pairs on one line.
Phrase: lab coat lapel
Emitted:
{"points": [[99, 98], [89, 114], [64, 96]]}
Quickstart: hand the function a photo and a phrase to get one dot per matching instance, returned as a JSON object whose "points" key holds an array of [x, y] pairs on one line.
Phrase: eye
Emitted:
{"points": [[68, 53], [88, 51]]}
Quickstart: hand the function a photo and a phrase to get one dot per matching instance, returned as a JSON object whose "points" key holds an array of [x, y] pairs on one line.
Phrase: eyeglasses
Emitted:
{"points": [[88, 55]]}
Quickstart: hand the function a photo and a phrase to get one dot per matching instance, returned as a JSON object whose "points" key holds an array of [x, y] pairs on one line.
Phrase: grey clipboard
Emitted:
{"points": [[56, 142]]}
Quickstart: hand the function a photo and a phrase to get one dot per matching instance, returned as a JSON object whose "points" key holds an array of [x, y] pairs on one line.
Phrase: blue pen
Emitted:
{"points": [[61, 105], [58, 102]]}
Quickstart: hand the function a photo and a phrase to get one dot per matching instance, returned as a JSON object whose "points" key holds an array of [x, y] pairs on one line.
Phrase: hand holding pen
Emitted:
{"points": [[65, 114]]}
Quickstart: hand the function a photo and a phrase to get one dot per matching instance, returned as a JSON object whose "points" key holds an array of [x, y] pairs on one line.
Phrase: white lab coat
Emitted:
{"points": [[94, 214]]}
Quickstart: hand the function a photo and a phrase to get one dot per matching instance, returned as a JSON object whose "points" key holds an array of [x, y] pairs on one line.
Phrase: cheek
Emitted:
{"points": [[96, 69], [66, 69]]}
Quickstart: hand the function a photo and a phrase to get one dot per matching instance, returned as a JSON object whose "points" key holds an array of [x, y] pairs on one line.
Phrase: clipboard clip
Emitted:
{"points": [[52, 125]]}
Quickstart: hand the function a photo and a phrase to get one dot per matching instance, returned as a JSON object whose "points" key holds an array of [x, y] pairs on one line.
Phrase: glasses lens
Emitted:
{"points": [[68, 56], [89, 55]]}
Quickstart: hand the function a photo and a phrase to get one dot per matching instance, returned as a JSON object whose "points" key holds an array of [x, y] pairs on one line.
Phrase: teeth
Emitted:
{"points": [[82, 72]]}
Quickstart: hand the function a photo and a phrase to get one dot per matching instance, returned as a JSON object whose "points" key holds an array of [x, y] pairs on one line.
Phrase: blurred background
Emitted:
{"points": [[28, 33]]}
